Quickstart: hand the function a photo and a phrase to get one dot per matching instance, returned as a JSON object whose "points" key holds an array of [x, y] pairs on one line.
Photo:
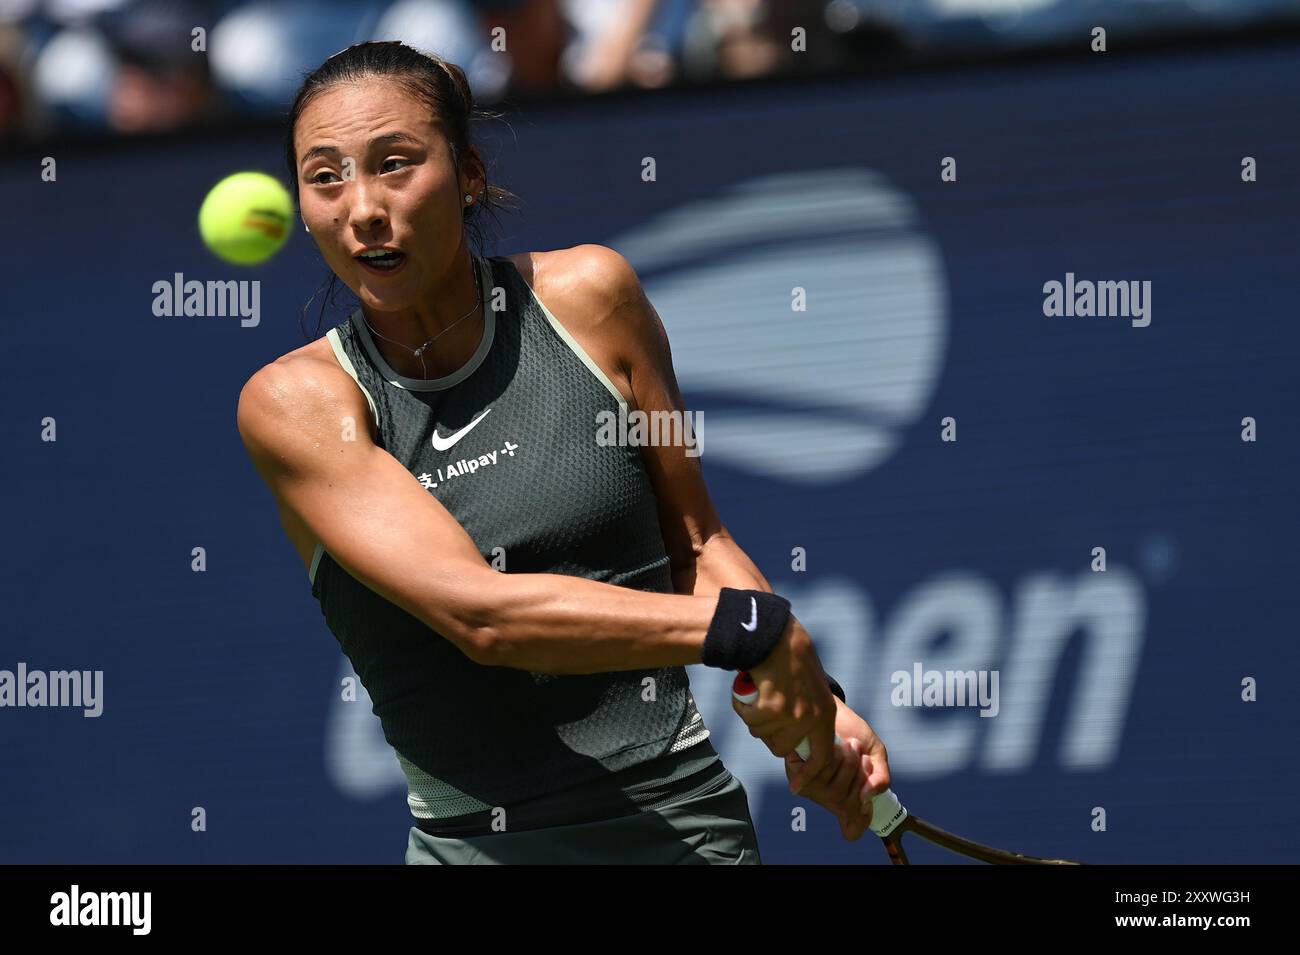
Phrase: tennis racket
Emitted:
{"points": [[890, 821]]}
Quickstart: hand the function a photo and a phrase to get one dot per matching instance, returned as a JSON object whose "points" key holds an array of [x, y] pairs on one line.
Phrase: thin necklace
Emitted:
{"points": [[419, 352]]}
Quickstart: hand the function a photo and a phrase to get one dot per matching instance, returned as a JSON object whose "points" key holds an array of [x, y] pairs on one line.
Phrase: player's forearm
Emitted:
{"points": [[553, 623], [719, 563]]}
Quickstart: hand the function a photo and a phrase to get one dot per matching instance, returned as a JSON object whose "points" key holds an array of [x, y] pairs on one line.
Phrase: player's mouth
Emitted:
{"points": [[382, 261]]}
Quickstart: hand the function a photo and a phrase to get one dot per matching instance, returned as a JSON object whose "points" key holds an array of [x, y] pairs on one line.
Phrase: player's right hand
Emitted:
{"points": [[794, 700], [843, 787]]}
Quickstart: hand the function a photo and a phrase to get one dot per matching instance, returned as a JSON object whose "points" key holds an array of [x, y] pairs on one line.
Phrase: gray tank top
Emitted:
{"points": [[507, 444]]}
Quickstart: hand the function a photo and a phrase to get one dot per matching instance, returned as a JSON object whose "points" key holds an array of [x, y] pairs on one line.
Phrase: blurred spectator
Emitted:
{"points": [[605, 40], [536, 33], [72, 75], [452, 29], [741, 39], [18, 115], [549, 45], [161, 81], [131, 65], [743, 45], [261, 50]]}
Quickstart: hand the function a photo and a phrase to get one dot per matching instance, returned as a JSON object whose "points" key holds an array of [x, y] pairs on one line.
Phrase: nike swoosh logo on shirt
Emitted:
{"points": [[445, 444], [753, 618]]}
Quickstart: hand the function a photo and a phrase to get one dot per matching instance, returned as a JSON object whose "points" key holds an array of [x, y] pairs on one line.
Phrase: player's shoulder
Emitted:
{"points": [[310, 369], [593, 289], [589, 271], [297, 386]]}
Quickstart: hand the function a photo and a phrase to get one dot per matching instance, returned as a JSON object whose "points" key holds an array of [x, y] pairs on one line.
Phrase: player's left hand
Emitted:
{"points": [[856, 772]]}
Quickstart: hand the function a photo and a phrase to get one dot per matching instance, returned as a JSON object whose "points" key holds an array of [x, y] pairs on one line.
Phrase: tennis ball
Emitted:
{"points": [[245, 218]]}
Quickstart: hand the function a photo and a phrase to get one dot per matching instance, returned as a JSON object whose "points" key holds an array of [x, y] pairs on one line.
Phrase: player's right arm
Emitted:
{"points": [[382, 526], [386, 530]]}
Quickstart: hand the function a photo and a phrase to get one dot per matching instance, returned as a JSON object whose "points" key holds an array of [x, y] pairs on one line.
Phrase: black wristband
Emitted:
{"points": [[745, 628], [836, 689]]}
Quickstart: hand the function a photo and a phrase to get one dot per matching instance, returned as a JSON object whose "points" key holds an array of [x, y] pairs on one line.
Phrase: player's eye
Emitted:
{"points": [[320, 180], [392, 165]]}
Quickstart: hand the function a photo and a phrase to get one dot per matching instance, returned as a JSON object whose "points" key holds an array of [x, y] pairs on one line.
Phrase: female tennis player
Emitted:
{"points": [[518, 598]]}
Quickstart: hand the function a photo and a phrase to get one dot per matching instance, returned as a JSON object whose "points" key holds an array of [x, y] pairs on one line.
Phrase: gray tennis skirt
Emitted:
{"points": [[712, 827]]}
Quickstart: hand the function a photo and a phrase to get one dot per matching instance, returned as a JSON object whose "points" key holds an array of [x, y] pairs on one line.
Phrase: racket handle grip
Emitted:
{"points": [[744, 690], [887, 813]]}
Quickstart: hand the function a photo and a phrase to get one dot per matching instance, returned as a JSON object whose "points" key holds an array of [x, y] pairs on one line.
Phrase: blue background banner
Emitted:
{"points": [[1119, 690]]}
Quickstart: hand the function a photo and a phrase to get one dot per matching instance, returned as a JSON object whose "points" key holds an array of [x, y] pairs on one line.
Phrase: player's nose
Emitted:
{"points": [[367, 212]]}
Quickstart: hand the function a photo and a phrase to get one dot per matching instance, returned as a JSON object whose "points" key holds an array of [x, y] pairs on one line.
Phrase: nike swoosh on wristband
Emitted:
{"points": [[753, 616], [445, 444]]}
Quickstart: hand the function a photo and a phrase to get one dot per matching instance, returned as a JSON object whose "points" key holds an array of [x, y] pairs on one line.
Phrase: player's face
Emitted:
{"points": [[375, 170]]}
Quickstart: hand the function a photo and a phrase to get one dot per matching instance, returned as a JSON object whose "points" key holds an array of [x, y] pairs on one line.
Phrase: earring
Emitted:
{"points": [[468, 198], [305, 226]]}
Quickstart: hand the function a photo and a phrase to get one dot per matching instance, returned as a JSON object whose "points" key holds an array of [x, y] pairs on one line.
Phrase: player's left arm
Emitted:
{"points": [[703, 554]]}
